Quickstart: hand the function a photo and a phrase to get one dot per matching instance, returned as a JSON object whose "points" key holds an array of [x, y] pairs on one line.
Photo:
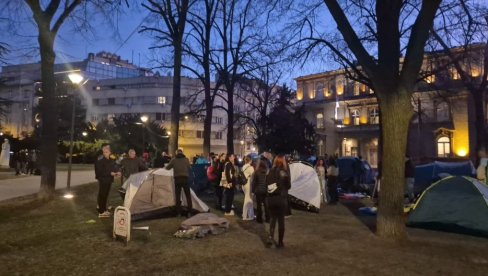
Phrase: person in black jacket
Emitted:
{"points": [[229, 183], [105, 170], [278, 184], [219, 190], [181, 168], [259, 189]]}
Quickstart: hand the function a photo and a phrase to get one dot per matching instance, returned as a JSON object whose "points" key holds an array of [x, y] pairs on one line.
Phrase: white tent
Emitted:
{"points": [[151, 194], [305, 184]]}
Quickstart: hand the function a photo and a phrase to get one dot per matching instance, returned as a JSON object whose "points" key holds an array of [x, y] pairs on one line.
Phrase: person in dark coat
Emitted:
{"points": [[132, 164], [278, 183], [229, 183], [259, 189], [219, 190], [105, 171], [181, 167]]}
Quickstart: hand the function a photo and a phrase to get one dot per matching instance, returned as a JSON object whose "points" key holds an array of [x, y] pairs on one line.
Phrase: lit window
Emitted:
{"points": [[299, 91], [430, 79], [355, 117], [161, 100], [374, 116], [443, 147], [454, 74], [339, 86], [319, 88], [320, 120]]}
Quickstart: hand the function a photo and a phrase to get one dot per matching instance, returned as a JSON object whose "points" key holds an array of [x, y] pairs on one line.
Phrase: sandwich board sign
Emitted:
{"points": [[122, 223]]}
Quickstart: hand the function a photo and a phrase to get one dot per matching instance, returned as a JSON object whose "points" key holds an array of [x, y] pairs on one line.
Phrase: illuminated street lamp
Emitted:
{"points": [[76, 78], [84, 133], [242, 148], [144, 119]]}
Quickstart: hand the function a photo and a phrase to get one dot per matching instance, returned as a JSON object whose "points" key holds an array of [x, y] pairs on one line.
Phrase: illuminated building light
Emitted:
{"points": [[462, 152]]}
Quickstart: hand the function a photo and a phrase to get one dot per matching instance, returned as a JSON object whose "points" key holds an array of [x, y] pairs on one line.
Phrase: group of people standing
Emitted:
{"points": [[268, 182], [107, 168]]}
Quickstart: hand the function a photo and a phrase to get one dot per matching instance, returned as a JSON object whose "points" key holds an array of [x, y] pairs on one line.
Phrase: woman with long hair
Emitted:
{"points": [[260, 190], [248, 206], [230, 182], [321, 171], [278, 184]]}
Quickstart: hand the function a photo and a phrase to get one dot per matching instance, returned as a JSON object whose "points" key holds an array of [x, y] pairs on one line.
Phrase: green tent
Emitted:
{"points": [[453, 204]]}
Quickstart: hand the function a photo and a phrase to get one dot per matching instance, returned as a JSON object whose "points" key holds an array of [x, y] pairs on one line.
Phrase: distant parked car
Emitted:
{"points": [[346, 175]]}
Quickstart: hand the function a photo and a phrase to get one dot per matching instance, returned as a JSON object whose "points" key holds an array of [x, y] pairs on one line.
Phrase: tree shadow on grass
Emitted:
{"points": [[368, 220]]}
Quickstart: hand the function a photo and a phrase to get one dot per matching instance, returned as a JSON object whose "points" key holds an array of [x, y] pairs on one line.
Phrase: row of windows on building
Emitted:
{"points": [[355, 117], [199, 134], [158, 116], [442, 113], [339, 86], [129, 101], [327, 89]]}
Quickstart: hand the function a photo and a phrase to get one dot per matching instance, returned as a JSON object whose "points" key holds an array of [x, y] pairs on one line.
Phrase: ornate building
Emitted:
{"points": [[347, 117]]}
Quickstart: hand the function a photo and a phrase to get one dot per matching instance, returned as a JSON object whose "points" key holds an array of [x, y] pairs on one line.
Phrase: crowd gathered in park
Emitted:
{"points": [[264, 179]]}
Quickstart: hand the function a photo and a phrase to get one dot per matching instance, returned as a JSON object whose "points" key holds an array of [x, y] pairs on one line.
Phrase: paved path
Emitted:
{"points": [[22, 186]]}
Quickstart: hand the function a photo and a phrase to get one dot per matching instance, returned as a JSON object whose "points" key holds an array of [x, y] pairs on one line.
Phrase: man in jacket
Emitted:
{"points": [[105, 170], [132, 164], [181, 166]]}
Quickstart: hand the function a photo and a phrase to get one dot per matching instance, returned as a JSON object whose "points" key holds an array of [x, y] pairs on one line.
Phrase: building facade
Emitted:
{"points": [[116, 87], [346, 115]]}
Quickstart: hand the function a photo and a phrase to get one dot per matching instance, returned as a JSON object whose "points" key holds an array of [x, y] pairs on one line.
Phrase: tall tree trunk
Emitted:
{"points": [[207, 124], [175, 104], [49, 115], [230, 120], [396, 112], [480, 123]]}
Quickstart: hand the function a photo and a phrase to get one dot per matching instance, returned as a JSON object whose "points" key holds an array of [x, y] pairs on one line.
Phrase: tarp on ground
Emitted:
{"points": [[151, 194], [453, 204], [305, 185]]}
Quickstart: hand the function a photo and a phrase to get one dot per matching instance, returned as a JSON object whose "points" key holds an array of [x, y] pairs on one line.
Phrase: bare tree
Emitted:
{"points": [[240, 39], [377, 34], [48, 17], [259, 95], [170, 33], [198, 48], [457, 35]]}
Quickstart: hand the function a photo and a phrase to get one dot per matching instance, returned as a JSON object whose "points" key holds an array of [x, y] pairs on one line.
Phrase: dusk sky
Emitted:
{"points": [[129, 44]]}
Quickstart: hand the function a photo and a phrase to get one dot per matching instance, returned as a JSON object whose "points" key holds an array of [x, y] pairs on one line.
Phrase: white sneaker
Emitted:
{"points": [[105, 214], [231, 213]]}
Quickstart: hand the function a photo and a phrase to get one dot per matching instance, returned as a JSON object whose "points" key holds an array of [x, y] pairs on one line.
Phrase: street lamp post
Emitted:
{"points": [[75, 78], [242, 148], [144, 119]]}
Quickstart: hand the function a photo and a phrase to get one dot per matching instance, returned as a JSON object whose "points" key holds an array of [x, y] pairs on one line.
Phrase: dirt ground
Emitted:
{"points": [[58, 238]]}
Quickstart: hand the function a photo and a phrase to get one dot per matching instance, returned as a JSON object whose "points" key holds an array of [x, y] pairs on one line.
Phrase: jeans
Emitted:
{"points": [[181, 182], [219, 193]]}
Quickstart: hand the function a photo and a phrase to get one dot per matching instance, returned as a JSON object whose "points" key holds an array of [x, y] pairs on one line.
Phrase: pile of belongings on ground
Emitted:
{"points": [[201, 225], [352, 196]]}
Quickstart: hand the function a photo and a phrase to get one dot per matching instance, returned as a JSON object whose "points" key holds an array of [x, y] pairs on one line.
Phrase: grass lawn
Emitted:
{"points": [[56, 238]]}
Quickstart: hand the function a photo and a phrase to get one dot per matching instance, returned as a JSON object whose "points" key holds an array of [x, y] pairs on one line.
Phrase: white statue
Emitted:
{"points": [[5, 155]]}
